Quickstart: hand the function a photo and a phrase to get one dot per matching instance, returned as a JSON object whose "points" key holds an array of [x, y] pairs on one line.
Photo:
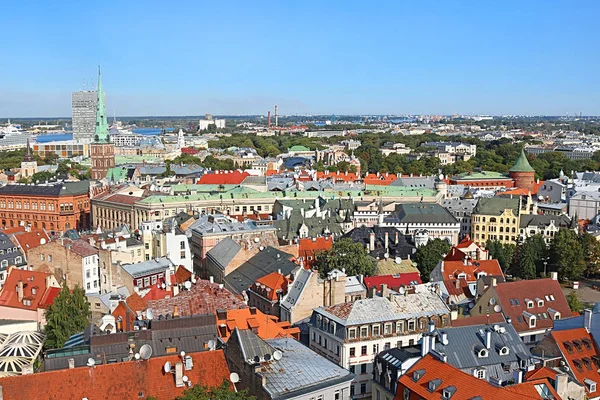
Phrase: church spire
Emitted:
{"points": [[101, 134], [28, 156]]}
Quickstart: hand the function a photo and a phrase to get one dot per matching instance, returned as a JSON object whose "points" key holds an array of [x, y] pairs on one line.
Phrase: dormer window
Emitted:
{"points": [[448, 392], [482, 353], [540, 302], [532, 321], [529, 303], [590, 385], [504, 351], [434, 385]]}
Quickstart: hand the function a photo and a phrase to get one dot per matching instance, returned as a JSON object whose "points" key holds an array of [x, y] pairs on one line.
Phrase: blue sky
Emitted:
{"points": [[230, 57]]}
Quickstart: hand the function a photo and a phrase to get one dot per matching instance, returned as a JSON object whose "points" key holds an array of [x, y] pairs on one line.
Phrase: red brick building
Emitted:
{"points": [[55, 207]]}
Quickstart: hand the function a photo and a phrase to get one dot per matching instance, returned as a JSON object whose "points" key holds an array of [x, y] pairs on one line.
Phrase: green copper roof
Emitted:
{"points": [[101, 134], [522, 164], [298, 148]]}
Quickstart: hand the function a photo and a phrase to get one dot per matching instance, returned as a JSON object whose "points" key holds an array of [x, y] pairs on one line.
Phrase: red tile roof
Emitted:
{"points": [[121, 198], [580, 352], [455, 255], [379, 179], [30, 240], [264, 325], [466, 242], [223, 178], [182, 274], [541, 373], [82, 248], [479, 320], [308, 247], [533, 289], [189, 150], [128, 309], [124, 381], [467, 386], [32, 282], [203, 298], [48, 298], [393, 281]]}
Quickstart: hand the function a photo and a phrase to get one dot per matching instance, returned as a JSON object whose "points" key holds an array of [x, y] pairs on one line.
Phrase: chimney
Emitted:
{"points": [[560, 383], [587, 319], [387, 239], [457, 284], [554, 276], [494, 281], [397, 237], [424, 345], [20, 291], [372, 292], [517, 376], [361, 278], [211, 279], [175, 311], [488, 339], [253, 310], [372, 241], [384, 290], [431, 327], [71, 363]]}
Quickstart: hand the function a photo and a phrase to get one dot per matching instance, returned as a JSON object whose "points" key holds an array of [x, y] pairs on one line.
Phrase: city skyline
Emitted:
{"points": [[340, 58]]}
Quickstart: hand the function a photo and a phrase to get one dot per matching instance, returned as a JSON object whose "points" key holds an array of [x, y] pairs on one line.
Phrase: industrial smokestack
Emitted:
{"points": [[269, 119], [276, 117]]}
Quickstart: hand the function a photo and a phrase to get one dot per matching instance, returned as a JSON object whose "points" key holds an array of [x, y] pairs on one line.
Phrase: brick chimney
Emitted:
{"points": [[372, 241], [20, 291]]}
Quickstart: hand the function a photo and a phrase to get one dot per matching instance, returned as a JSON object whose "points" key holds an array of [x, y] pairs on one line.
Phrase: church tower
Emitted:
{"points": [[102, 151], [28, 165]]}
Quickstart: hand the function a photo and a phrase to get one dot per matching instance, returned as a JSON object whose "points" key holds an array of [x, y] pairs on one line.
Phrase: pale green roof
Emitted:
{"points": [[522, 164], [116, 173], [480, 175], [119, 160], [179, 188], [400, 191], [101, 133]]}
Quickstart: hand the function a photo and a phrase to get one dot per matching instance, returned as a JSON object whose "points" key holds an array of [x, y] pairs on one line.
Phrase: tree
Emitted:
{"points": [[429, 255], [566, 255], [504, 253], [574, 302], [42, 176], [223, 392], [347, 254], [591, 251], [530, 258], [68, 315]]}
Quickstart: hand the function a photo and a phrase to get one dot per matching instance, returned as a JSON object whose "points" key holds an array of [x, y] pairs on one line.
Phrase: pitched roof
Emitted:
{"points": [[478, 320], [264, 325], [379, 179], [512, 297], [311, 245], [522, 164], [147, 267], [393, 281], [579, 351], [223, 178], [412, 213], [30, 240], [274, 283], [182, 274], [125, 380], [465, 386], [496, 206], [83, 248], [470, 269], [202, 298], [224, 251], [34, 290]]}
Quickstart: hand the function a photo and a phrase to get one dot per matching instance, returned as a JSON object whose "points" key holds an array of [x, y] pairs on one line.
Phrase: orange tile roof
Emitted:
{"points": [[338, 176], [580, 352], [379, 179], [125, 380], [452, 269], [271, 284], [467, 386], [127, 310], [30, 240], [32, 282], [265, 326], [466, 242], [541, 373]]}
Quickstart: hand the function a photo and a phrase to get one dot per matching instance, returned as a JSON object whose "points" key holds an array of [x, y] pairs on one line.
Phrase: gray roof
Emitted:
{"points": [[464, 343], [463, 205], [49, 189], [419, 182], [415, 213], [147, 267], [294, 293], [263, 263], [300, 371], [224, 251], [219, 223], [561, 221], [253, 347]]}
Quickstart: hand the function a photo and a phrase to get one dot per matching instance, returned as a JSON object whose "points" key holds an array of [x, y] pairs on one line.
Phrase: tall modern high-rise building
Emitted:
{"points": [[102, 150], [84, 104]]}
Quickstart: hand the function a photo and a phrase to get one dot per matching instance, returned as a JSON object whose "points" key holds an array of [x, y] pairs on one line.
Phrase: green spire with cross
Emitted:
{"points": [[101, 134]]}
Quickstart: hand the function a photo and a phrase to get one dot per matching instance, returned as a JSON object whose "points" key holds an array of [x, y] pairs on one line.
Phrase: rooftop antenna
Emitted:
{"points": [[84, 84]]}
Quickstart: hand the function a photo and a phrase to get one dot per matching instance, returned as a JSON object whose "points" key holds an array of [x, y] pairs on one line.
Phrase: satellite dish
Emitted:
{"points": [[256, 240], [496, 327], [398, 260], [261, 248], [256, 359], [185, 378], [149, 313], [234, 377], [194, 280], [492, 301], [164, 286], [212, 344], [182, 354], [277, 355], [167, 367], [91, 362], [267, 357], [146, 351], [137, 356], [497, 308], [402, 290], [187, 285]]}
